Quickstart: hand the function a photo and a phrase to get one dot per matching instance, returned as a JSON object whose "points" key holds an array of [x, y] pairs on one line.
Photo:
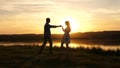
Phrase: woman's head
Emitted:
{"points": [[67, 23]]}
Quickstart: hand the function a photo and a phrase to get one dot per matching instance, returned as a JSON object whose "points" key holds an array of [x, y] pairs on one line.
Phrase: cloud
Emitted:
{"points": [[98, 8], [29, 6], [92, 4], [15, 13]]}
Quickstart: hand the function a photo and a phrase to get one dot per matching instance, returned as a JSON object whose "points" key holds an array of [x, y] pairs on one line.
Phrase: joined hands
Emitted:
{"points": [[61, 26]]}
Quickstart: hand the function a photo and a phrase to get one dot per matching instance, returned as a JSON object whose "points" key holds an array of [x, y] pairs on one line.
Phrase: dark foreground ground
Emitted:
{"points": [[28, 57]]}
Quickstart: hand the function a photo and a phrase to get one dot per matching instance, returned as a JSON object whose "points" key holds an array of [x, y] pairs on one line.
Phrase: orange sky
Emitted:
{"points": [[28, 16]]}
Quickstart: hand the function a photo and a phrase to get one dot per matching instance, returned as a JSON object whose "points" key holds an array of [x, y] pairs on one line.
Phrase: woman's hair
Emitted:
{"points": [[67, 23]]}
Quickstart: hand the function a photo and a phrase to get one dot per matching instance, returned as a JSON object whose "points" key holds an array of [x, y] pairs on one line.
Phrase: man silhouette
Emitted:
{"points": [[47, 35]]}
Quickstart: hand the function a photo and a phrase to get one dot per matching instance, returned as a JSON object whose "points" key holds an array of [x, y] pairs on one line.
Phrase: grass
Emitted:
{"points": [[28, 57]]}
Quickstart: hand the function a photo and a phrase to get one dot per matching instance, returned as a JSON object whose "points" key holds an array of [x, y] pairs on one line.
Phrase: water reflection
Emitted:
{"points": [[73, 44]]}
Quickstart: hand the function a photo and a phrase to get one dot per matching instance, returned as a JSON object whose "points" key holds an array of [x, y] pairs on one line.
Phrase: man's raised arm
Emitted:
{"points": [[54, 26]]}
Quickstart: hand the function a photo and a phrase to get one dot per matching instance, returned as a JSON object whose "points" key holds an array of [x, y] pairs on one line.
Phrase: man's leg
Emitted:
{"points": [[43, 45], [50, 47]]}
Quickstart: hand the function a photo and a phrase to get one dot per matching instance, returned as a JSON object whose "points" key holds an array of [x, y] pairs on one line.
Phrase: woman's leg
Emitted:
{"points": [[62, 44], [67, 46], [67, 51]]}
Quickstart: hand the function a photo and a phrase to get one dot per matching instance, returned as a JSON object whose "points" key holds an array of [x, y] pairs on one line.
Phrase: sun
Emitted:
{"points": [[72, 21]]}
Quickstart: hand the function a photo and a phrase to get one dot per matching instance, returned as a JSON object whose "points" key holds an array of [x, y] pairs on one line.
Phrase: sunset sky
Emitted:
{"points": [[28, 16]]}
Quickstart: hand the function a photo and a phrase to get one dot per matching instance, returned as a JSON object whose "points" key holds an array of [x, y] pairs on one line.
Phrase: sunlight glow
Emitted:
{"points": [[73, 23]]}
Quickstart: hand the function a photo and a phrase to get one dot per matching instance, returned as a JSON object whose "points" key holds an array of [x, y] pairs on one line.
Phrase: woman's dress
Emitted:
{"points": [[66, 36]]}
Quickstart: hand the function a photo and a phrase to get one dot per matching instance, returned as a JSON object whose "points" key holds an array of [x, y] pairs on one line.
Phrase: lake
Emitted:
{"points": [[104, 44]]}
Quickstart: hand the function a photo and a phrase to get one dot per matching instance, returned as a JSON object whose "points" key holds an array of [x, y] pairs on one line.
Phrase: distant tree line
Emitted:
{"points": [[20, 38], [106, 35]]}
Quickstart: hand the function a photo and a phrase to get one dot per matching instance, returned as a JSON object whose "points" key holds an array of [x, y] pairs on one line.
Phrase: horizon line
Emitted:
{"points": [[57, 33]]}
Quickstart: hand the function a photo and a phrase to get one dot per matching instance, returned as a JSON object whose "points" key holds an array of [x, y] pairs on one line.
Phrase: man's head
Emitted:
{"points": [[47, 20]]}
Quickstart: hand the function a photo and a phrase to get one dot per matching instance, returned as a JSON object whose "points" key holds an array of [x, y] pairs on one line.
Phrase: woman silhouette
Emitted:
{"points": [[66, 36]]}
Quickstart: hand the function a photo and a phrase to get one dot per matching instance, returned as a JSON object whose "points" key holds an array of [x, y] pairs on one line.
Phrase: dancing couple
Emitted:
{"points": [[47, 35]]}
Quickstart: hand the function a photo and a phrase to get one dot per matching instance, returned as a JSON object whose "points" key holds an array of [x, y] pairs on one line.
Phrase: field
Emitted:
{"points": [[28, 57]]}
